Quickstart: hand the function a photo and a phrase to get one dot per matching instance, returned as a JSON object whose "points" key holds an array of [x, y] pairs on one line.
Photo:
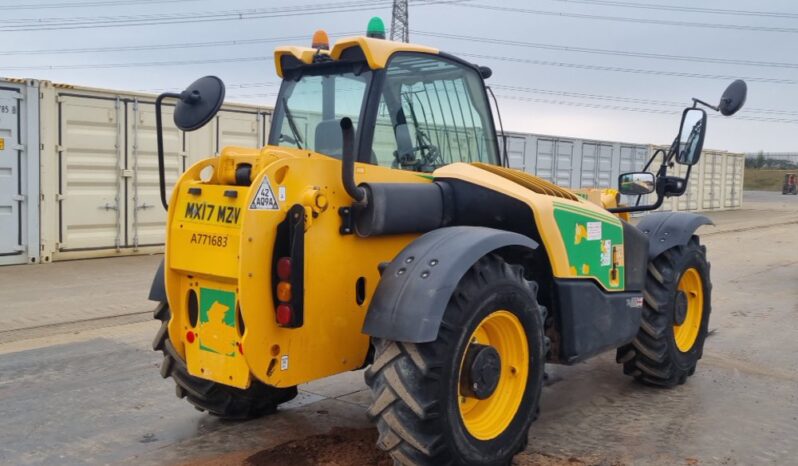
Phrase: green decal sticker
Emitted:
{"points": [[217, 320], [217, 305], [593, 242]]}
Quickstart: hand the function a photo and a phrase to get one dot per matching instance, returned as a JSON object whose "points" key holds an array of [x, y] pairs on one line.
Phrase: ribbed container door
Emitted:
{"points": [[545, 158], [712, 180], [516, 149], [91, 173], [596, 165], [733, 181], [691, 199], [145, 223], [242, 129], [11, 238], [564, 163]]}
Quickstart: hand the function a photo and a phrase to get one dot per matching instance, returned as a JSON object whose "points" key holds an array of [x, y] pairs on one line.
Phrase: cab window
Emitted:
{"points": [[309, 110], [433, 111]]}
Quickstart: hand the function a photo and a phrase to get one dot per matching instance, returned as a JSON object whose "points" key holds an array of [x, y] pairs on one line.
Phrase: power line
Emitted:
{"points": [[622, 53], [689, 9], [625, 19], [139, 64], [544, 46], [43, 6], [49, 24], [464, 54], [193, 17], [186, 45], [617, 69], [635, 109], [665, 103]]}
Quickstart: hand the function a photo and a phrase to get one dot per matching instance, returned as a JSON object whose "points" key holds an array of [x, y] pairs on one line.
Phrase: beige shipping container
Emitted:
{"points": [[716, 182], [99, 192]]}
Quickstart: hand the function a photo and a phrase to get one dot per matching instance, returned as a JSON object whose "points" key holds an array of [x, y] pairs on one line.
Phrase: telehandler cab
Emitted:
{"points": [[381, 228]]}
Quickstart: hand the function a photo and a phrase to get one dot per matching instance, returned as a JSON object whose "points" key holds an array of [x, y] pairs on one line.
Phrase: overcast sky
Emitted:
{"points": [[549, 91]]}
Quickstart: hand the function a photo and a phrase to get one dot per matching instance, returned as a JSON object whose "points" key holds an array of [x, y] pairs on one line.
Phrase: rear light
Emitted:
{"points": [[288, 269], [284, 314], [190, 336], [284, 292], [284, 269]]}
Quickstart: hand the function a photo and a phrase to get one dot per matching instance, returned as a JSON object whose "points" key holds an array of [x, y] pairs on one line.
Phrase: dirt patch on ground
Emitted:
{"points": [[542, 459], [357, 447], [341, 447]]}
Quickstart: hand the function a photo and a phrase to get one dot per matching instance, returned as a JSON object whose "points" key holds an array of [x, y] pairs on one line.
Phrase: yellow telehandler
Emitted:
{"points": [[381, 228]]}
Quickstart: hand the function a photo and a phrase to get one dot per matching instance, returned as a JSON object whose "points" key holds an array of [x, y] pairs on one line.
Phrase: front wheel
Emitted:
{"points": [[675, 318], [470, 396]]}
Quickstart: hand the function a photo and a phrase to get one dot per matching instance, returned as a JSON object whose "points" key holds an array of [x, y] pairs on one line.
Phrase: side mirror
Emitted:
{"points": [[691, 136], [199, 103], [196, 106], [733, 98], [636, 183]]}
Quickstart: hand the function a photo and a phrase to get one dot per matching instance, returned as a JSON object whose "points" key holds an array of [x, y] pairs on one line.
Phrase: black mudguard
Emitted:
{"points": [[158, 288], [668, 229], [415, 287]]}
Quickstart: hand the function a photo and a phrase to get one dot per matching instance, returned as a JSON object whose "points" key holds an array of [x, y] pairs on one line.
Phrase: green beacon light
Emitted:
{"points": [[376, 28]]}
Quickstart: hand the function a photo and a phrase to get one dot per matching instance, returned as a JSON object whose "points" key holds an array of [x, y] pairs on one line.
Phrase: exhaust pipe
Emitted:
{"points": [[348, 163]]}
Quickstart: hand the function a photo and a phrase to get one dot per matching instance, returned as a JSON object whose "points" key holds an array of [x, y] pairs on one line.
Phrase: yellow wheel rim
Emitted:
{"points": [[487, 419], [686, 333]]}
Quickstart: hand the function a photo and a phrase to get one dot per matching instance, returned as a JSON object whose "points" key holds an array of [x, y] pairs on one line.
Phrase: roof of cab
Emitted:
{"points": [[376, 51]]}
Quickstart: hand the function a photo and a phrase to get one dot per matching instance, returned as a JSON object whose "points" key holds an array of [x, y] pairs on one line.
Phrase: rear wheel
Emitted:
{"points": [[217, 399], [470, 396], [675, 318]]}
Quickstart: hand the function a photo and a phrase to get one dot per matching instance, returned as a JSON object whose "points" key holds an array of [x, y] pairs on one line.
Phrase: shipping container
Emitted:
{"points": [[575, 163], [93, 175], [19, 172], [716, 181]]}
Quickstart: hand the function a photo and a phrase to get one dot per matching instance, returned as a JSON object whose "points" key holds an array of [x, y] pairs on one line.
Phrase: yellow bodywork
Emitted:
{"points": [[218, 246], [219, 251]]}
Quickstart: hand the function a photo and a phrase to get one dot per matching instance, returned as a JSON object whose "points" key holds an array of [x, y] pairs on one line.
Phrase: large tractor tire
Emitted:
{"points": [[470, 396], [217, 399], [675, 318]]}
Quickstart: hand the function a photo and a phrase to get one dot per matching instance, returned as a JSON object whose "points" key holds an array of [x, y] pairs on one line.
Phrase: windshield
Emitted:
{"points": [[309, 110], [433, 111]]}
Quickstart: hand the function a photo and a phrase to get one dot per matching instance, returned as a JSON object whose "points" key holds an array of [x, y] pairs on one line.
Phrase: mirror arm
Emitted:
{"points": [[699, 101], [651, 159], [159, 137]]}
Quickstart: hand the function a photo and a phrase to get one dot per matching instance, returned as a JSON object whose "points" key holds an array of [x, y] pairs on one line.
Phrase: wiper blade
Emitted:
{"points": [[292, 124]]}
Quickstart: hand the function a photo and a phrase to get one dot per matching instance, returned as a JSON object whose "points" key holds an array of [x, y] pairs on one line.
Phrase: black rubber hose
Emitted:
{"points": [[348, 162]]}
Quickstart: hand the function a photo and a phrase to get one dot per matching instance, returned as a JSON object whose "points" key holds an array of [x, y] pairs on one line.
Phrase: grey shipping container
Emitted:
{"points": [[83, 178], [716, 182]]}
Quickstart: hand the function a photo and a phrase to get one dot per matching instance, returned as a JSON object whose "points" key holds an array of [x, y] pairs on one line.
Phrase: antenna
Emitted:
{"points": [[400, 29]]}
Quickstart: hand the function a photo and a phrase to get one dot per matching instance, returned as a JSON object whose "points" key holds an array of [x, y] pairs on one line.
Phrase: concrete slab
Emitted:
{"points": [[49, 294]]}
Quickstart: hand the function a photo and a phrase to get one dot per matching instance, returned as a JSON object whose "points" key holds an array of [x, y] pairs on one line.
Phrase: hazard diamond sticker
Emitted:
{"points": [[264, 199]]}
